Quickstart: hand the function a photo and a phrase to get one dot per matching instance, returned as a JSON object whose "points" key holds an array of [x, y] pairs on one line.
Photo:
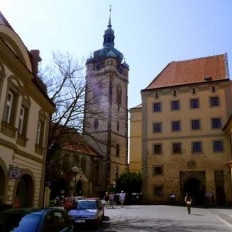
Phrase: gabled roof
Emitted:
{"points": [[81, 147], [136, 107], [211, 68], [4, 21], [70, 140]]}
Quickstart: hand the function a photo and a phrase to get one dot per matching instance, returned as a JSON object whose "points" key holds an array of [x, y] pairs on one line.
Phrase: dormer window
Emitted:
{"points": [[208, 78]]}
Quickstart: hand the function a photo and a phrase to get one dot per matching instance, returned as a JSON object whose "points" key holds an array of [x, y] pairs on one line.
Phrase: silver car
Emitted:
{"points": [[89, 211]]}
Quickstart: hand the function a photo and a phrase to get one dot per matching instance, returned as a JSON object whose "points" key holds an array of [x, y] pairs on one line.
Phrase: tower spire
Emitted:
{"points": [[109, 25], [109, 34]]}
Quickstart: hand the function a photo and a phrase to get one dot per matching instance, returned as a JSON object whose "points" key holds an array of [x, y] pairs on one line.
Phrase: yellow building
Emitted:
{"points": [[184, 148], [25, 113], [135, 139]]}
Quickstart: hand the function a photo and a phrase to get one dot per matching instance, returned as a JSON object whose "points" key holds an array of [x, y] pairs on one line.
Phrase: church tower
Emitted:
{"points": [[106, 109]]}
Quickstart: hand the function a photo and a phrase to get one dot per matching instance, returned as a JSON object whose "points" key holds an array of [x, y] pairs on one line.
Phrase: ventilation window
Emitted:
{"points": [[208, 78], [194, 91], [213, 88]]}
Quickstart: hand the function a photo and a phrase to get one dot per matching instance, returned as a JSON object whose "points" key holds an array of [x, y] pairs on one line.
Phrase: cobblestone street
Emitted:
{"points": [[141, 218]]}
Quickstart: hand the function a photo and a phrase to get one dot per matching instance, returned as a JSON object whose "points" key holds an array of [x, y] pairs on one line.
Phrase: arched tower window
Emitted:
{"points": [[119, 95], [118, 125], [96, 123], [97, 92], [117, 150]]}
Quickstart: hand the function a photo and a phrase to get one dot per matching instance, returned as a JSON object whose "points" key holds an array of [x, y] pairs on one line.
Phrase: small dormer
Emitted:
{"points": [[208, 78]]}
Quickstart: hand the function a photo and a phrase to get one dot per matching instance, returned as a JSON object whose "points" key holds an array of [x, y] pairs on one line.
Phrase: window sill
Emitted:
{"points": [[22, 140], [39, 149], [8, 129]]}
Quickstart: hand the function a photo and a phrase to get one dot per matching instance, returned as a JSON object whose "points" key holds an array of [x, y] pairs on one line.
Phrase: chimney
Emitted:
{"points": [[35, 60]]}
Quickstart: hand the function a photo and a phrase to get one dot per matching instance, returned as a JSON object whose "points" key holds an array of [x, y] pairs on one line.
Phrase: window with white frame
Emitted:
{"points": [[9, 106], [21, 120], [2, 76], [40, 131]]}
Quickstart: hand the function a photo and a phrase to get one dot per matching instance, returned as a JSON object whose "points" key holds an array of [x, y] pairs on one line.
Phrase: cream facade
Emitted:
{"points": [[24, 122], [135, 164], [184, 148]]}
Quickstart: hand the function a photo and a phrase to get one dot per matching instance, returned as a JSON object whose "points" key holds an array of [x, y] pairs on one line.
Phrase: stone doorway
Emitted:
{"points": [[2, 185], [24, 192], [194, 184]]}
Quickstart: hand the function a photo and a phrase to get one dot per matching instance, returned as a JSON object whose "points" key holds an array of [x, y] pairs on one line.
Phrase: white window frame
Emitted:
{"points": [[39, 131], [9, 104], [21, 120]]}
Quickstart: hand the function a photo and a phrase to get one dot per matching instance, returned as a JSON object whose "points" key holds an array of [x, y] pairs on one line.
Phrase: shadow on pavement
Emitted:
{"points": [[103, 227]]}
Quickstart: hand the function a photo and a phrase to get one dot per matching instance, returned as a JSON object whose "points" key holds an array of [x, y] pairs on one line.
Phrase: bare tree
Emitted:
{"points": [[66, 87]]}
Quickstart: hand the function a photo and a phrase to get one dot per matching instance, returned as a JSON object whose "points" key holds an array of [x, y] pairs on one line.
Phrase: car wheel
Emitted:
{"points": [[96, 224]]}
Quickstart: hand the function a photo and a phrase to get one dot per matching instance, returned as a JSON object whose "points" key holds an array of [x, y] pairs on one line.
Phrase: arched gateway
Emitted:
{"points": [[193, 183], [24, 192]]}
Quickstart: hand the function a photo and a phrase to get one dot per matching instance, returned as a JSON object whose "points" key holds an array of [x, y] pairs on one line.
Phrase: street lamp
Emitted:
{"points": [[75, 169]]}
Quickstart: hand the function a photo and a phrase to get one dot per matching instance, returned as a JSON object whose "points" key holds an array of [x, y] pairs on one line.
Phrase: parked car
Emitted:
{"points": [[70, 202], [89, 211], [35, 220]]}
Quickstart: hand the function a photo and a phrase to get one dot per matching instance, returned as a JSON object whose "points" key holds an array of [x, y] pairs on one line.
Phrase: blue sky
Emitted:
{"points": [[150, 33]]}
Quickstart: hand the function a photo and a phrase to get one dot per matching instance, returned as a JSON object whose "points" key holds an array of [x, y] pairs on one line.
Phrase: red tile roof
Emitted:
{"points": [[191, 71]]}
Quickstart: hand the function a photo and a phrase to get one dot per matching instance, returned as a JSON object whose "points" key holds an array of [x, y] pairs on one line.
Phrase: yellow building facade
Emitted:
{"points": [[135, 139], [184, 148], [25, 113]]}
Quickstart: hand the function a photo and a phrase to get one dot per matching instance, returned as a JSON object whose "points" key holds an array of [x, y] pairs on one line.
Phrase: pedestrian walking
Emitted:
{"points": [[188, 202], [106, 199], [111, 198], [122, 198]]}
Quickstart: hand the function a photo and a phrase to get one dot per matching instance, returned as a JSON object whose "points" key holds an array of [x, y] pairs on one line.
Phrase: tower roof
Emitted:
{"points": [[108, 50], [109, 35]]}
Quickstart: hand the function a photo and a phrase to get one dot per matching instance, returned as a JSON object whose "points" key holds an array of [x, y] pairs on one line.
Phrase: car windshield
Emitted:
{"points": [[86, 205], [17, 222]]}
